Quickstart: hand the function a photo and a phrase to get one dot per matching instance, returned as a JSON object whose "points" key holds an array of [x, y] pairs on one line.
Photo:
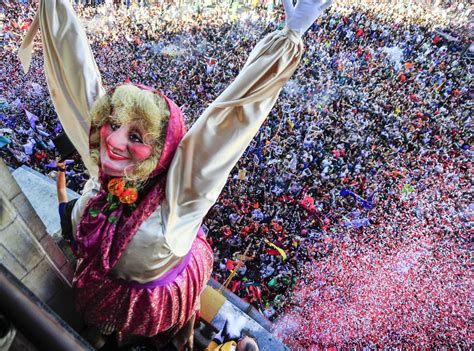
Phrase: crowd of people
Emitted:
{"points": [[356, 187]]}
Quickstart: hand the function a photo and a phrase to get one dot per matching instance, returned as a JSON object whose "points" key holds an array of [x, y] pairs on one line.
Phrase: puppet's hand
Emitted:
{"points": [[300, 17]]}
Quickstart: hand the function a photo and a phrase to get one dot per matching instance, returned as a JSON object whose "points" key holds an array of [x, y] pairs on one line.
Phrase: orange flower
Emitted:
{"points": [[116, 186], [129, 196]]}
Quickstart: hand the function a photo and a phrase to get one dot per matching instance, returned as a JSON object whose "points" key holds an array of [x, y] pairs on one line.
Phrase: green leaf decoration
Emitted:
{"points": [[94, 212], [110, 197], [113, 206], [113, 219], [133, 206]]}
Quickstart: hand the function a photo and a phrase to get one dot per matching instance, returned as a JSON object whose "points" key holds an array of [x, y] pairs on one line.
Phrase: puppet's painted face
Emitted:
{"points": [[122, 147]]}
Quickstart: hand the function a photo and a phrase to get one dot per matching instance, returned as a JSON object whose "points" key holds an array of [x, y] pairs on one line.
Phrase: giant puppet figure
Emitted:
{"points": [[142, 257]]}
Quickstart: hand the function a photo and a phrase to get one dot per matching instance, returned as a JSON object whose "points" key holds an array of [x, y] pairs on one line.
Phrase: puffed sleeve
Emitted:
{"points": [[217, 140], [71, 72]]}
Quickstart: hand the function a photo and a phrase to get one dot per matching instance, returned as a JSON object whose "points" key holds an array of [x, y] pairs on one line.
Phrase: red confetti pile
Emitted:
{"points": [[403, 282]]}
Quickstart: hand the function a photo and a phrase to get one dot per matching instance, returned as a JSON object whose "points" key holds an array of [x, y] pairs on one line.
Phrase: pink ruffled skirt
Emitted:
{"points": [[147, 312]]}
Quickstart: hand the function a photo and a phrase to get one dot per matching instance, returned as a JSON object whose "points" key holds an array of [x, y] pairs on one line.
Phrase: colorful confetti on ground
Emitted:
{"points": [[403, 282]]}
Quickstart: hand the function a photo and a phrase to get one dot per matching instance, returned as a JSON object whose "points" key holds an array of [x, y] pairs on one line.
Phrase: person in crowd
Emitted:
{"points": [[232, 337]]}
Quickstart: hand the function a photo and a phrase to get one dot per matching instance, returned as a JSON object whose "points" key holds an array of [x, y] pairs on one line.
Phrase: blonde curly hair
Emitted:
{"points": [[125, 104]]}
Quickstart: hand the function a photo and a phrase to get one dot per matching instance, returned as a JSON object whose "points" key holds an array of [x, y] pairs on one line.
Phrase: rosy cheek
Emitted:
{"points": [[140, 152], [105, 131]]}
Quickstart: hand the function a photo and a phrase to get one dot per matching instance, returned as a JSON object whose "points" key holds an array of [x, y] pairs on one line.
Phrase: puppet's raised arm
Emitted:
{"points": [[71, 72], [217, 140], [219, 137]]}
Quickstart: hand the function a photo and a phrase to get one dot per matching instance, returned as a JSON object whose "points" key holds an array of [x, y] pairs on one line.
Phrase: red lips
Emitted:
{"points": [[115, 157]]}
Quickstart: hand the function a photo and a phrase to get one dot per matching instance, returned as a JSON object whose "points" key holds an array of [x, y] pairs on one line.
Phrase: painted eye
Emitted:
{"points": [[136, 137], [114, 126]]}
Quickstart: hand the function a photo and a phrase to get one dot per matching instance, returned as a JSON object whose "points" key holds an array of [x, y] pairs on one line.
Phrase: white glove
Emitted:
{"points": [[300, 17]]}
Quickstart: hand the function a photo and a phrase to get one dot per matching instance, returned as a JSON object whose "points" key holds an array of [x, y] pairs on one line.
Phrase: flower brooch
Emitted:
{"points": [[126, 195], [118, 192]]}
